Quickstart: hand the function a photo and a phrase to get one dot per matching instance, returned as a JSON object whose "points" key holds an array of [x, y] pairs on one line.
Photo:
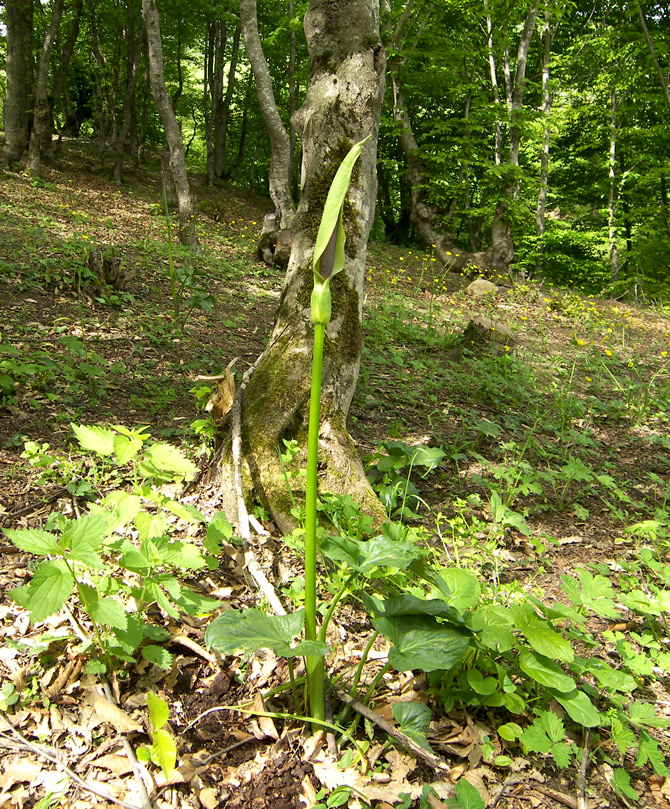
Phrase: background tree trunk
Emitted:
{"points": [[134, 45], [343, 105], [19, 20], [41, 131], [280, 189], [185, 198]]}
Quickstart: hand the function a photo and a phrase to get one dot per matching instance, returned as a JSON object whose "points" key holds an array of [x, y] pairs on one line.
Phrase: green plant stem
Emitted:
{"points": [[333, 604], [368, 694], [344, 714], [294, 687], [315, 664]]}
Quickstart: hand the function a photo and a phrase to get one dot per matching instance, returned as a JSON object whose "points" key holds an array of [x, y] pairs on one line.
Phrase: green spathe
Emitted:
{"points": [[328, 258]]}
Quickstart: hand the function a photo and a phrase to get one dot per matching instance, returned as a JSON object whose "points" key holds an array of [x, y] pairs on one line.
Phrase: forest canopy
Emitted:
{"points": [[530, 136]]}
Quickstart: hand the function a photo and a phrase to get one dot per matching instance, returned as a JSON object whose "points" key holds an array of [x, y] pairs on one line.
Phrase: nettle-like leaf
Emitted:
{"points": [[125, 448], [219, 530], [109, 612], [165, 461], [94, 439], [34, 540], [328, 257], [49, 589], [241, 632], [157, 655]]}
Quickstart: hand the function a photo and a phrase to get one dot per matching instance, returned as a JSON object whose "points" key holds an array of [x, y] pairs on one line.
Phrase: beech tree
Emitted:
{"points": [[342, 106], [186, 201]]}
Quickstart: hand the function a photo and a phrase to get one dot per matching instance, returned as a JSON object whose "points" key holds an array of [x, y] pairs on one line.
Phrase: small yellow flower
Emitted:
{"points": [[580, 342], [608, 352], [588, 379], [506, 348], [664, 353], [402, 258]]}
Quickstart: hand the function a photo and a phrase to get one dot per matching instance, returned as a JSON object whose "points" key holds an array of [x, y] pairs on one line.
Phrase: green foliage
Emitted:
{"points": [[163, 749], [119, 560]]}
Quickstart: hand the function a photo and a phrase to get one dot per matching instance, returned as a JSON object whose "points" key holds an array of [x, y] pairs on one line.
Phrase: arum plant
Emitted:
{"points": [[327, 261], [236, 632]]}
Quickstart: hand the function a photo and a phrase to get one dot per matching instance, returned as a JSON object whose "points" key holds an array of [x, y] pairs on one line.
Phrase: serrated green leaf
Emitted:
{"points": [[545, 672], [159, 710], [158, 655], [109, 612], [649, 751], [94, 439], [219, 530], [421, 642], [562, 753], [183, 554], [622, 736], [49, 589], [166, 458], [643, 714], [125, 449], [184, 511], [621, 784], [33, 540], [535, 740], [150, 526], [553, 726], [125, 508], [130, 638]]}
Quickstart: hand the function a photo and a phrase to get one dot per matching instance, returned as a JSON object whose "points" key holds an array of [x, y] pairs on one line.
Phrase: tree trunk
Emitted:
{"points": [[343, 105], [185, 198], [42, 120], [546, 139], [278, 179], [64, 58], [19, 21], [611, 197], [232, 172], [223, 111], [134, 45]]}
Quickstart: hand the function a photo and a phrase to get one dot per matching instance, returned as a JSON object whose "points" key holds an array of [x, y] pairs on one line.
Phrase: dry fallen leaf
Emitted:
{"points": [[660, 789], [119, 765], [308, 796], [19, 770], [113, 715], [208, 798]]}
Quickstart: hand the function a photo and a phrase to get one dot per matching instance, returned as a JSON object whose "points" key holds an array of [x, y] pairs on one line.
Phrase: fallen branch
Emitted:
{"points": [[52, 756], [430, 758], [250, 560]]}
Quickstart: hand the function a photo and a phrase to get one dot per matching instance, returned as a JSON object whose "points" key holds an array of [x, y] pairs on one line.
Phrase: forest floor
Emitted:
{"points": [[554, 462]]}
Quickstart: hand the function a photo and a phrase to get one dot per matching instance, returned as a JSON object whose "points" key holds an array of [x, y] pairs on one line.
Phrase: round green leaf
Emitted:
{"points": [[545, 672], [420, 642]]}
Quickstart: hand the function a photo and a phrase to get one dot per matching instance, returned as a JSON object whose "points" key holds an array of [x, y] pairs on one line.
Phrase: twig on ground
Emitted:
{"points": [[510, 782], [196, 648], [195, 721], [134, 763], [52, 756], [561, 797], [430, 758]]}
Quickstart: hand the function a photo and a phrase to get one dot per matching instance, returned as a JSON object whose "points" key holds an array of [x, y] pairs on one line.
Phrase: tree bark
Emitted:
{"points": [[64, 58], [546, 139], [223, 111], [134, 45], [19, 21], [611, 197], [42, 119], [185, 198], [280, 190], [343, 105]]}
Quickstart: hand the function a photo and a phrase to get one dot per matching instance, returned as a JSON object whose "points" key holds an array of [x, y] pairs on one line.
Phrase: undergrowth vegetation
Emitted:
{"points": [[522, 583]]}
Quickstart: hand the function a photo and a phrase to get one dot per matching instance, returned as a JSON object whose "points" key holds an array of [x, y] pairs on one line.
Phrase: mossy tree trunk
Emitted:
{"points": [[342, 106]]}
